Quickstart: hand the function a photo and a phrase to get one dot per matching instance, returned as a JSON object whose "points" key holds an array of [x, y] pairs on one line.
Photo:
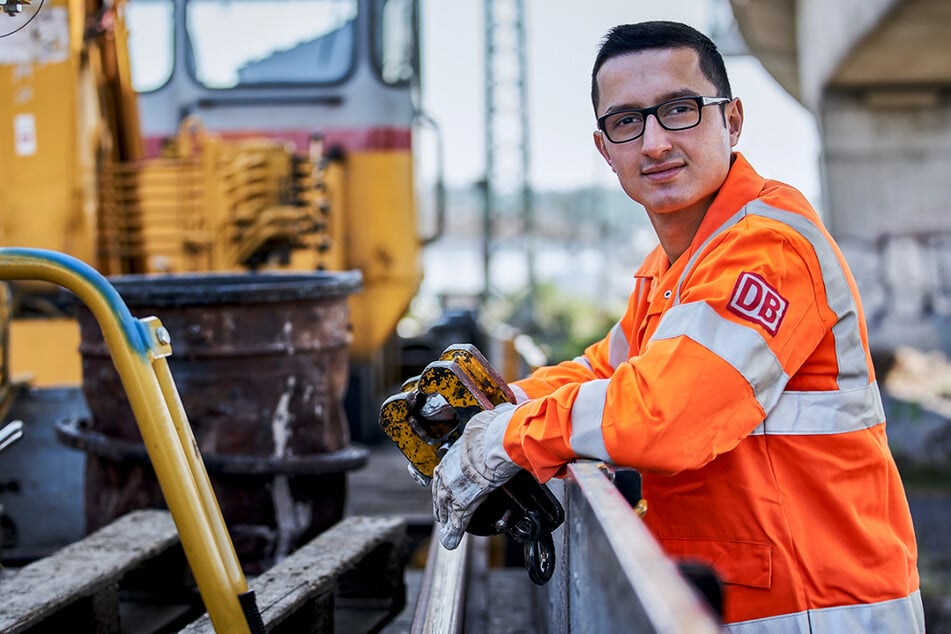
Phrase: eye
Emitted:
{"points": [[679, 109], [626, 120]]}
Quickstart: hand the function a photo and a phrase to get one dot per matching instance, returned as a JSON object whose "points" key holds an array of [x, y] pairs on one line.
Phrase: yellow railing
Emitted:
{"points": [[138, 348]]}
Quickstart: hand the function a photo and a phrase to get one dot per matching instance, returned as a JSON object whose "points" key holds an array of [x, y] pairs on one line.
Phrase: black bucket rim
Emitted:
{"points": [[75, 433], [201, 289]]}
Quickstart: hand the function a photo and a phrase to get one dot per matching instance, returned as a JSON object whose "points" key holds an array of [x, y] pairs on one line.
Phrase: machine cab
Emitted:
{"points": [[344, 69], [342, 73]]}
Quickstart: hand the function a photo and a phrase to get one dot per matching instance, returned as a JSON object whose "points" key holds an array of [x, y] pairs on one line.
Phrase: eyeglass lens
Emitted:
{"points": [[673, 115]]}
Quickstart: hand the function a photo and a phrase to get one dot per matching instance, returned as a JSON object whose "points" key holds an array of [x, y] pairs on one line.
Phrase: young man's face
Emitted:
{"points": [[667, 171]]}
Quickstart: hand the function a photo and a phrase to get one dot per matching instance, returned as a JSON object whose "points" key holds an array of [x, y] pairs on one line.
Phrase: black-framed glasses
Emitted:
{"points": [[681, 113]]}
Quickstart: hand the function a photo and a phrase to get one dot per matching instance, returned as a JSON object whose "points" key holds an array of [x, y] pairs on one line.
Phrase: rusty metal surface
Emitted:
{"points": [[261, 364], [255, 360], [76, 433]]}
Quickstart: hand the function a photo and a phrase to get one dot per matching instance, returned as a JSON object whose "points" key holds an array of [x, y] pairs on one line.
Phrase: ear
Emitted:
{"points": [[734, 121], [600, 143]]}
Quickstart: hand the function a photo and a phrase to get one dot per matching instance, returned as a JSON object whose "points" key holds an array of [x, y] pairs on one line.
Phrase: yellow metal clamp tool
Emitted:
{"points": [[430, 413]]}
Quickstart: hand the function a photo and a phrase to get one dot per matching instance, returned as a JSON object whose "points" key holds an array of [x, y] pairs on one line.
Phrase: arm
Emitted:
{"points": [[706, 377]]}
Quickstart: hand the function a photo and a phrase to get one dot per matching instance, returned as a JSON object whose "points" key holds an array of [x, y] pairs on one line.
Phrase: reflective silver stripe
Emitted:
{"points": [[587, 441], [830, 412], [904, 615], [732, 220], [582, 360], [520, 395], [493, 441], [741, 347], [618, 347], [835, 412], [853, 366]]}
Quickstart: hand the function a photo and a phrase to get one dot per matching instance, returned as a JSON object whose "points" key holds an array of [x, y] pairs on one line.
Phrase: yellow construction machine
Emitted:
{"points": [[186, 144], [193, 136]]}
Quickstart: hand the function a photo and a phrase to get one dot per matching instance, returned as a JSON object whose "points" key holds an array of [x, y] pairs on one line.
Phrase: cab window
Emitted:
{"points": [[234, 43], [394, 36], [151, 42]]}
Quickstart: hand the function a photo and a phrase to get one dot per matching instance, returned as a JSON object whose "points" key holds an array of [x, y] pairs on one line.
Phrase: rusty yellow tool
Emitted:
{"points": [[430, 413]]}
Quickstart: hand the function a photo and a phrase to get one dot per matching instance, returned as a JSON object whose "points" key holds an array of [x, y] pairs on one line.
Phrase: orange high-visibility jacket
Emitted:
{"points": [[739, 382]]}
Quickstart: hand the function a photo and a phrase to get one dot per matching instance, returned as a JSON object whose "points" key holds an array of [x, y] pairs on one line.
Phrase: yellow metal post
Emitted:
{"points": [[138, 348]]}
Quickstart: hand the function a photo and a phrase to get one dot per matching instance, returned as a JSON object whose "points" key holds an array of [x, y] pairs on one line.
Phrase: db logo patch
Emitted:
{"points": [[755, 300]]}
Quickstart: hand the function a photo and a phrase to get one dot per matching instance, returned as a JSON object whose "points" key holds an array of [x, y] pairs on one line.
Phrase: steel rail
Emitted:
{"points": [[611, 574], [441, 603]]}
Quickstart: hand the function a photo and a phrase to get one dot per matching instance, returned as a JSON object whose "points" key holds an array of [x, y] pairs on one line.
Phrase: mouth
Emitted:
{"points": [[662, 172]]}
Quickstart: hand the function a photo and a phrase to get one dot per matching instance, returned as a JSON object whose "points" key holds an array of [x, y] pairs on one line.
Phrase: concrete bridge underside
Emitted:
{"points": [[877, 76]]}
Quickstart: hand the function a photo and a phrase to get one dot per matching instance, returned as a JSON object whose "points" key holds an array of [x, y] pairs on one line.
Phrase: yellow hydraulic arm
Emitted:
{"points": [[138, 348]]}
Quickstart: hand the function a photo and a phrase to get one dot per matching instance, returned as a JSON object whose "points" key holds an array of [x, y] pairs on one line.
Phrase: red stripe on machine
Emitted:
{"points": [[348, 139]]}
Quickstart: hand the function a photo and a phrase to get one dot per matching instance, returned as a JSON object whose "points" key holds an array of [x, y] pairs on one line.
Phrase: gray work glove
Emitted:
{"points": [[474, 466]]}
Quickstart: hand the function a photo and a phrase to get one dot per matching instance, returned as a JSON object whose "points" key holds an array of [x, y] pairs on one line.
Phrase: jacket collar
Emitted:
{"points": [[742, 185]]}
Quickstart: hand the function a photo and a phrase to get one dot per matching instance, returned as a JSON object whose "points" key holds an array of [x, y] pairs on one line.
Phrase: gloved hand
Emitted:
{"points": [[475, 465]]}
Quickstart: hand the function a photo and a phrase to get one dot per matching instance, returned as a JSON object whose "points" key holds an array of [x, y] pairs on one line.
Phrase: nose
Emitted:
{"points": [[655, 141]]}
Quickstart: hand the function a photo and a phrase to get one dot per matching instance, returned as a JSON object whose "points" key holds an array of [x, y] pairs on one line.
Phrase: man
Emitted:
{"points": [[739, 380]]}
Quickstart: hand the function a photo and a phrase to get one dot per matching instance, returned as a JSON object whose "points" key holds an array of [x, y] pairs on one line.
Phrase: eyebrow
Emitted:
{"points": [[675, 94]]}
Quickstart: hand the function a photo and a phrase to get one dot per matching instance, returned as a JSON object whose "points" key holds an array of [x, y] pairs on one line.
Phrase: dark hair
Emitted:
{"points": [[630, 38]]}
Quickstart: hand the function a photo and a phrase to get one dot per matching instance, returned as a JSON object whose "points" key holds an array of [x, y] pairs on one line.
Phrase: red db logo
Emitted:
{"points": [[755, 300]]}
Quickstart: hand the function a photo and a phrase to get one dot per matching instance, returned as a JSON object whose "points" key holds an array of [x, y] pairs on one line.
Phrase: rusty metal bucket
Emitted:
{"points": [[261, 364]]}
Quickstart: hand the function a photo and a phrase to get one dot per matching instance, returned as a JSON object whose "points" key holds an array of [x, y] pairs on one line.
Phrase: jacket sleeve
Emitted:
{"points": [[695, 391]]}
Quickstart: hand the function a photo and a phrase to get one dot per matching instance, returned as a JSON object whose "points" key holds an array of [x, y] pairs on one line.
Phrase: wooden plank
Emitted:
{"points": [[84, 569], [304, 582]]}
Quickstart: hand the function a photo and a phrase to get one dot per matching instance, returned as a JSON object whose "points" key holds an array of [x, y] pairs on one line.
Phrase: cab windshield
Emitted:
{"points": [[236, 43]]}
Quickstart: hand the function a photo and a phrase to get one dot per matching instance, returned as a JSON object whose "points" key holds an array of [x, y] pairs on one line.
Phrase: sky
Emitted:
{"points": [[780, 137]]}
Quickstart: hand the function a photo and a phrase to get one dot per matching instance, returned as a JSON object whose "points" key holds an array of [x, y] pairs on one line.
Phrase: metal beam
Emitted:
{"points": [[612, 575], [507, 219]]}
